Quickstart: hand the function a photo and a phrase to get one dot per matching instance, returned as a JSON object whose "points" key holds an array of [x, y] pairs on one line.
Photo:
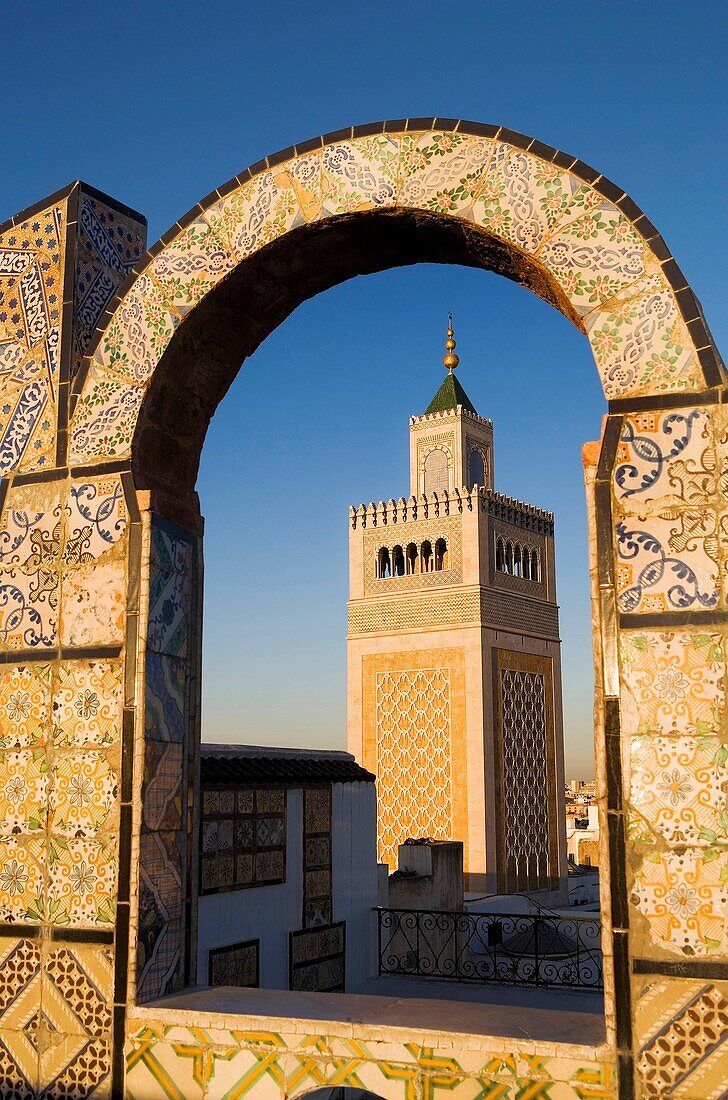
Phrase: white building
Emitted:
{"points": [[287, 869]]}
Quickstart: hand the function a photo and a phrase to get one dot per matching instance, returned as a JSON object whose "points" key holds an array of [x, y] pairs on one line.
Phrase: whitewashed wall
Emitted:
{"points": [[354, 859], [269, 913]]}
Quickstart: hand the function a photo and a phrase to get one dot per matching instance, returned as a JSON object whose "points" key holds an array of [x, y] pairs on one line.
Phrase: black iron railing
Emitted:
{"points": [[505, 948]]}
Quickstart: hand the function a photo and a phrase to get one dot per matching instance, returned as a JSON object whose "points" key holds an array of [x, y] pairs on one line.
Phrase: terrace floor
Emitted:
{"points": [[554, 1016]]}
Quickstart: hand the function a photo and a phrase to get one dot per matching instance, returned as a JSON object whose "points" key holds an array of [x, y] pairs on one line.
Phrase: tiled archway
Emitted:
{"points": [[99, 554]]}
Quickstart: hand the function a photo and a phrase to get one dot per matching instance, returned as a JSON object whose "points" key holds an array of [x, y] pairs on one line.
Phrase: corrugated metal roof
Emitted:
{"points": [[243, 765]]}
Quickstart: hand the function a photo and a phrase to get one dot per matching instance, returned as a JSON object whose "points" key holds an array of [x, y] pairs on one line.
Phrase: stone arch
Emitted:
{"points": [[99, 554], [359, 201]]}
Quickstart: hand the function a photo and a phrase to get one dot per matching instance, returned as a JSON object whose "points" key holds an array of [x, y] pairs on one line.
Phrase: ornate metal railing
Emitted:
{"points": [[506, 948]]}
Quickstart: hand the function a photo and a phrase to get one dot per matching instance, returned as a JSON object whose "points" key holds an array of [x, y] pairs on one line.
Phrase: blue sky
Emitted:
{"points": [[158, 103]]}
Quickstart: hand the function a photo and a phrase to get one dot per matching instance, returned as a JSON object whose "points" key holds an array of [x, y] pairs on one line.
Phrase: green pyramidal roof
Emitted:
{"points": [[449, 396]]}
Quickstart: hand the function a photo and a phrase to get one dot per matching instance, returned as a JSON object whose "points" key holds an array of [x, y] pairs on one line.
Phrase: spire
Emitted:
{"points": [[451, 393], [450, 360]]}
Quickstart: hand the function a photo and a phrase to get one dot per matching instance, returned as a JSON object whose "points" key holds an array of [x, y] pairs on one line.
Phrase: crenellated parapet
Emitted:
{"points": [[448, 414], [446, 503]]}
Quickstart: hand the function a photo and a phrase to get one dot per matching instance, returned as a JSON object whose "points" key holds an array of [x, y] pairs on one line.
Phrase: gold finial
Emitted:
{"points": [[450, 360]]}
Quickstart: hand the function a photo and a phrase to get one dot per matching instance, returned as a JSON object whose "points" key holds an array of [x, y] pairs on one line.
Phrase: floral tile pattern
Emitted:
{"points": [[96, 519], [684, 896], [105, 416], [674, 680], [82, 885], [87, 704], [25, 705], [22, 870], [680, 789], [23, 791], [83, 796], [583, 242]]}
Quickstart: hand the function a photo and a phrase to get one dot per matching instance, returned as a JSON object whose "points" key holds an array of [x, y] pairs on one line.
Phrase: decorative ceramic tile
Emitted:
{"points": [[108, 244], [31, 296], [82, 887], [442, 172], [24, 705], [96, 519], [679, 788], [522, 198], [594, 256], [165, 698], [20, 1013], [675, 682], [20, 966], [667, 563], [22, 869], [684, 896], [169, 612], [23, 791], [160, 952], [641, 345], [78, 989], [163, 1070], [681, 1037], [76, 1066], [263, 209], [84, 794], [161, 862], [104, 418], [666, 455], [360, 174], [87, 703], [30, 544], [94, 604], [191, 266], [234, 964], [162, 785], [139, 331]]}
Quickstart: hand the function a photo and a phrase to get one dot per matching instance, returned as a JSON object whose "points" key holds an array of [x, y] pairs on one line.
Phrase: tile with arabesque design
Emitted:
{"points": [[261, 211], [594, 252], [82, 890], [96, 519], [164, 703], [105, 415], [668, 456], [191, 265], [22, 878], [674, 681], [679, 789], [683, 894], [139, 330], [443, 172], [631, 361], [668, 562], [87, 703], [25, 705], [360, 174], [84, 793]]}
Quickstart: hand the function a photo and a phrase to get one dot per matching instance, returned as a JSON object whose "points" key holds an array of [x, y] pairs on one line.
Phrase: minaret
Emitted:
{"points": [[450, 445], [454, 684]]}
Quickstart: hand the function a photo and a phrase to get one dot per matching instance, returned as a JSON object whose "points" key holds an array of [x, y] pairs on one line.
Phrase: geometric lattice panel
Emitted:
{"points": [[527, 778], [414, 757]]}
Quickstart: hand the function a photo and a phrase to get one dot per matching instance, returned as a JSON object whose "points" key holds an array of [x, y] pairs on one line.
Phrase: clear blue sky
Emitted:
{"points": [[158, 103]]}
